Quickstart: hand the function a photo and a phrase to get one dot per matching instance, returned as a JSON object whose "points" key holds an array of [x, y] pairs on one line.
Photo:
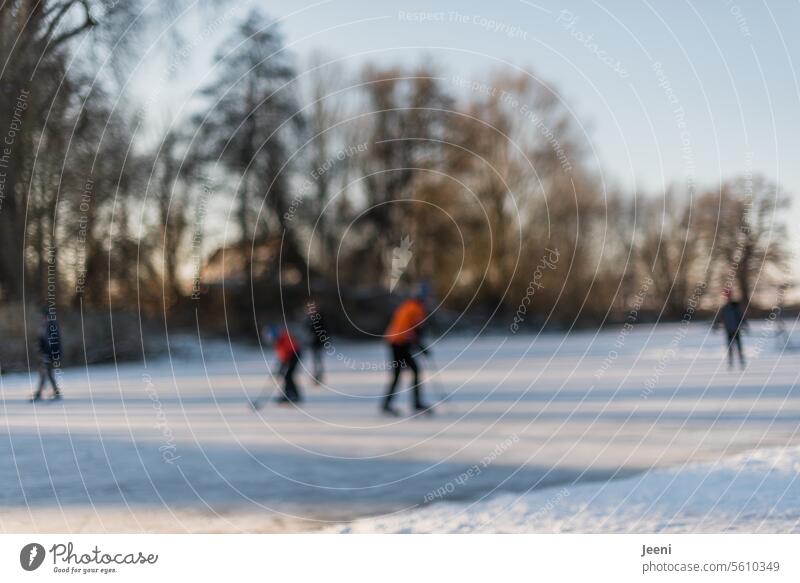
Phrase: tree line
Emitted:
{"points": [[339, 182]]}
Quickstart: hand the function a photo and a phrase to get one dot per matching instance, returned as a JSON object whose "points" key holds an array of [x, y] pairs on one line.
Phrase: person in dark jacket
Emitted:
{"points": [[732, 318], [317, 337], [49, 354]]}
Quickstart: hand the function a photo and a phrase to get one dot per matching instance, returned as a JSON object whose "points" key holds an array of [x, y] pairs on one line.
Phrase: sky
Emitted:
{"points": [[668, 92]]}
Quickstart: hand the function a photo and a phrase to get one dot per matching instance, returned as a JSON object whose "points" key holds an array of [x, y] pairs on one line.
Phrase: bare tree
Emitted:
{"points": [[745, 231], [671, 250], [404, 132], [250, 127]]}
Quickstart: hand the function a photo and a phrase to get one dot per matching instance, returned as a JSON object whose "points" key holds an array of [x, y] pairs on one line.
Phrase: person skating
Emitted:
{"points": [[49, 354], [288, 350], [732, 318], [318, 336], [404, 336]]}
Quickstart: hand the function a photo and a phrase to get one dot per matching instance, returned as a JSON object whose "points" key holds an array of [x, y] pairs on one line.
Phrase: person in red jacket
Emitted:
{"points": [[403, 336], [287, 349]]}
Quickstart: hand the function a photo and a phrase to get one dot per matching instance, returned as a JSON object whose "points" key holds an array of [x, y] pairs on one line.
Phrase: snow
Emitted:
{"points": [[171, 445], [751, 493]]}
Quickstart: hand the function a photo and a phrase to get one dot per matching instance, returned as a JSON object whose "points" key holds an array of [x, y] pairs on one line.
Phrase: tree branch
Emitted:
{"points": [[88, 23]]}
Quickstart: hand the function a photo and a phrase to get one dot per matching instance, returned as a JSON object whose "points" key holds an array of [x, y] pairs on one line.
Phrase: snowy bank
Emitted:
{"points": [[754, 492]]}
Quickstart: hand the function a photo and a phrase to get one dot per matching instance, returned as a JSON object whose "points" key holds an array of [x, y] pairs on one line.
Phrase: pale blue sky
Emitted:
{"points": [[730, 66]]}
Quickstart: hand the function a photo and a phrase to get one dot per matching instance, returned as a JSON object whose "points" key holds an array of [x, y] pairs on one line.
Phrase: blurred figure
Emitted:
{"points": [[318, 336], [404, 335], [731, 317], [288, 350], [49, 354]]}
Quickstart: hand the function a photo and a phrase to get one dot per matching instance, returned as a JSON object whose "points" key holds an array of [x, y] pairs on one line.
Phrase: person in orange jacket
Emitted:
{"points": [[288, 350], [403, 335]]}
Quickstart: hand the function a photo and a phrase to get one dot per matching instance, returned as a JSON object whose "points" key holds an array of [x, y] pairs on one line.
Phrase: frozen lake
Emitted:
{"points": [[173, 446]]}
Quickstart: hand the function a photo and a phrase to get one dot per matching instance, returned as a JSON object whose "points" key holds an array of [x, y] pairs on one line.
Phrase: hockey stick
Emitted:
{"points": [[266, 393], [441, 391]]}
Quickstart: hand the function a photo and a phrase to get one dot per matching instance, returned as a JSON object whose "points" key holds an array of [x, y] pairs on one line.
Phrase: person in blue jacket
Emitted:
{"points": [[732, 318]]}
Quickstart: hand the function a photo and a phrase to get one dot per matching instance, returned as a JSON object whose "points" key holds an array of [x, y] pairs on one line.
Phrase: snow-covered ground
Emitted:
{"points": [[751, 493], [534, 430]]}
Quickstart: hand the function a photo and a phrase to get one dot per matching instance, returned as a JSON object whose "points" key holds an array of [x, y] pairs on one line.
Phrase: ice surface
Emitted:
{"points": [[172, 445]]}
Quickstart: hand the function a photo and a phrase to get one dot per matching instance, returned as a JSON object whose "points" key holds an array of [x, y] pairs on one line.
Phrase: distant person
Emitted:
{"points": [[318, 336], [288, 350], [404, 336], [49, 354], [732, 318]]}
